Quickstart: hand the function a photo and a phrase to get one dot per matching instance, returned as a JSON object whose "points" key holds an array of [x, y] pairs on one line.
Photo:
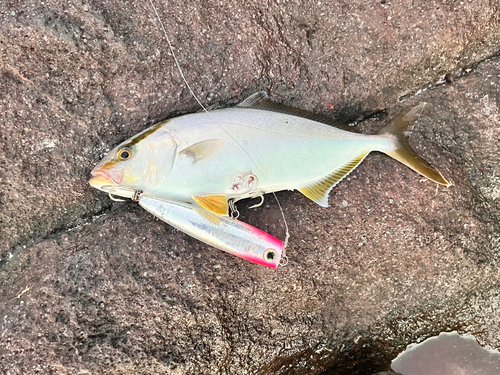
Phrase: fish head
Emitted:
{"points": [[139, 164]]}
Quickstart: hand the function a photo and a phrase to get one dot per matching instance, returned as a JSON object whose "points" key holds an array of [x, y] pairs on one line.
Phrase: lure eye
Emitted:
{"points": [[124, 154], [270, 255]]}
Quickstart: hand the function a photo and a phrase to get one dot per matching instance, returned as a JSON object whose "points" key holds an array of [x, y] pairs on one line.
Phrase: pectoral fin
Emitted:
{"points": [[214, 202], [204, 150], [318, 191]]}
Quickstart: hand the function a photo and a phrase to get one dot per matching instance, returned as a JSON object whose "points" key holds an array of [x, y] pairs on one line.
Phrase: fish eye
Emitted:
{"points": [[124, 153], [270, 255]]}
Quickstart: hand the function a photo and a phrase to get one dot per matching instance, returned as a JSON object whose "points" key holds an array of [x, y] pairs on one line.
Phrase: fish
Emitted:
{"points": [[224, 233], [207, 160]]}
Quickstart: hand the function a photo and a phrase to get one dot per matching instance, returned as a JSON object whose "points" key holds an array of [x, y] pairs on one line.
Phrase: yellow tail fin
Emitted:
{"points": [[400, 129]]}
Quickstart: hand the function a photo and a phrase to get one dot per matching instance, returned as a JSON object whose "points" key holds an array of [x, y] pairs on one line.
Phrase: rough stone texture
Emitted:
{"points": [[88, 286]]}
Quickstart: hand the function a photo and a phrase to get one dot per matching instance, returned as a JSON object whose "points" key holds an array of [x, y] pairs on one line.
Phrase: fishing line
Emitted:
{"points": [[175, 58], [287, 235]]}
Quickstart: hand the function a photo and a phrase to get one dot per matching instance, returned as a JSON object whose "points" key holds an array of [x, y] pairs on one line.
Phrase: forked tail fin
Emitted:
{"points": [[399, 129]]}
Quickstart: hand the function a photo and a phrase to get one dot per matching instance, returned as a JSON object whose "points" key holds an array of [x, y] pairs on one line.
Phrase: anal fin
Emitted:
{"points": [[318, 191], [216, 203]]}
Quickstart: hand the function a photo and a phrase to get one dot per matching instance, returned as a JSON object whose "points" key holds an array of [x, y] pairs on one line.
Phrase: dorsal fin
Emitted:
{"points": [[260, 100], [318, 191]]}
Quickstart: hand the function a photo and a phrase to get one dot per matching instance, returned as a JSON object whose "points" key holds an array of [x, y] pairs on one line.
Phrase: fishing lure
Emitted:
{"points": [[222, 232]]}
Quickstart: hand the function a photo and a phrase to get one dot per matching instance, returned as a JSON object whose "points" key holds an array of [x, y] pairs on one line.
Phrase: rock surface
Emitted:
{"points": [[88, 285]]}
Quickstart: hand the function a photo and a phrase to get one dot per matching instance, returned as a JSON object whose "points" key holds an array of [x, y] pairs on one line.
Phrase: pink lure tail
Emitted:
{"points": [[222, 232]]}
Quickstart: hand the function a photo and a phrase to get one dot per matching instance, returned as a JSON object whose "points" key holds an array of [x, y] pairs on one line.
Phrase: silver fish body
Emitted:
{"points": [[282, 152], [208, 158]]}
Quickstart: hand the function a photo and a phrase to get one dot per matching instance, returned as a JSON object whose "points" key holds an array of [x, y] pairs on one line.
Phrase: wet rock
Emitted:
{"points": [[90, 285]]}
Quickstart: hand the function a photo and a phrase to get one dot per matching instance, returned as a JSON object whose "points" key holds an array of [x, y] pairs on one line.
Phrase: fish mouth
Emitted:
{"points": [[101, 180], [104, 182]]}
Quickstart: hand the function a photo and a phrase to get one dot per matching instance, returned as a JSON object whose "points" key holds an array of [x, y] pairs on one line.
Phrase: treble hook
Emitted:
{"points": [[258, 204], [137, 195]]}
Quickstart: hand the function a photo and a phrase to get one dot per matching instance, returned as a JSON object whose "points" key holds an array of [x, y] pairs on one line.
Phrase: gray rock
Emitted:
{"points": [[91, 286]]}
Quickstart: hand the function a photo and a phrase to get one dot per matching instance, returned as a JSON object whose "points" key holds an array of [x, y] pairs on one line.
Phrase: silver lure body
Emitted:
{"points": [[221, 232]]}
